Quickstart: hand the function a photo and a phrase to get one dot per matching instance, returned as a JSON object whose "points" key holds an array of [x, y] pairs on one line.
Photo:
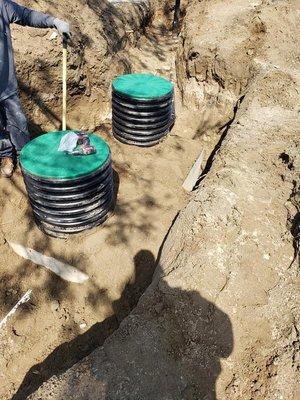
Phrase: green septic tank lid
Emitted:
{"points": [[41, 158], [142, 86]]}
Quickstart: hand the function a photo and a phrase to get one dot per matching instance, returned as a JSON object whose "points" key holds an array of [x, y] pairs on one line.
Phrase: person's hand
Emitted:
{"points": [[63, 28]]}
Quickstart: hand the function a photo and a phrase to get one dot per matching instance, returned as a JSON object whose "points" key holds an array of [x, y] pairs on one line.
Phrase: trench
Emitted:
{"points": [[223, 134]]}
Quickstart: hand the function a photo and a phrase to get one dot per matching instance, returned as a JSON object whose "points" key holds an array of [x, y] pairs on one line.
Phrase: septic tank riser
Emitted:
{"points": [[59, 211], [137, 120], [68, 194]]}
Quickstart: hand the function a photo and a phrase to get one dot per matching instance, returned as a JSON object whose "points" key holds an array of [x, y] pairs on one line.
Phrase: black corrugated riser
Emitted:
{"points": [[142, 122], [70, 206]]}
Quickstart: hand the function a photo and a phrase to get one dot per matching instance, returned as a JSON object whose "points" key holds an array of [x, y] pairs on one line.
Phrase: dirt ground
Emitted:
{"points": [[120, 257], [220, 319]]}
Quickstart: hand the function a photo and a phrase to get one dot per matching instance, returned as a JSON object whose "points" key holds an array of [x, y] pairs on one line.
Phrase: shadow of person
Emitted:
{"points": [[169, 347], [192, 336], [144, 266]]}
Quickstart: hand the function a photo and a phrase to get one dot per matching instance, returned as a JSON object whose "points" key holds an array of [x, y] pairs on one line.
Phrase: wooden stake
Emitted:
{"points": [[65, 271], [194, 174], [64, 77]]}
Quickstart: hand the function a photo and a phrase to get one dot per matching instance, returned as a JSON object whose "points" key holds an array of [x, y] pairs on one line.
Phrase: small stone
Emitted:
{"points": [[53, 36], [82, 326], [54, 305]]}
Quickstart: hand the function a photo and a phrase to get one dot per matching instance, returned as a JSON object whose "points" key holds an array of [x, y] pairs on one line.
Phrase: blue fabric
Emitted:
{"points": [[11, 12], [14, 125]]}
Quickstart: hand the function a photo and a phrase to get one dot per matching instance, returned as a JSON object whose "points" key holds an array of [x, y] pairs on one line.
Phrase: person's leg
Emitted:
{"points": [[6, 147], [16, 123]]}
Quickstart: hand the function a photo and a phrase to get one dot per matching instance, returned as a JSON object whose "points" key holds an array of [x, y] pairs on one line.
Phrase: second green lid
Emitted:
{"points": [[142, 86]]}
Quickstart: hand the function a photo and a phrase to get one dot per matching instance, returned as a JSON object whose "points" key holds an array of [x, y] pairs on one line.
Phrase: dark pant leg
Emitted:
{"points": [[6, 147], [16, 123]]}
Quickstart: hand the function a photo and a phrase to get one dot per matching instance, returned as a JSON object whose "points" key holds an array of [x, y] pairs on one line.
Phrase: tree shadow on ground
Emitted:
{"points": [[34, 128], [115, 24], [69, 353], [115, 21], [11, 285]]}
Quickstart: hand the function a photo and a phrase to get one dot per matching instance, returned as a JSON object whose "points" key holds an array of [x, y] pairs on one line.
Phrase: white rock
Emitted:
{"points": [[53, 36]]}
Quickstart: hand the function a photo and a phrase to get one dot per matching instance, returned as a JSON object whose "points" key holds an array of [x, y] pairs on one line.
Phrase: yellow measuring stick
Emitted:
{"points": [[64, 105]]}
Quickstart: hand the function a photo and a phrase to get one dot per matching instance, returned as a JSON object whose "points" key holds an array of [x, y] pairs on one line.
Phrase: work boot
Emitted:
{"points": [[7, 167]]}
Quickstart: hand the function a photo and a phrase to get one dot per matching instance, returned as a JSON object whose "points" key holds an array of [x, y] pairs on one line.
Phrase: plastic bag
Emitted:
{"points": [[76, 143]]}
